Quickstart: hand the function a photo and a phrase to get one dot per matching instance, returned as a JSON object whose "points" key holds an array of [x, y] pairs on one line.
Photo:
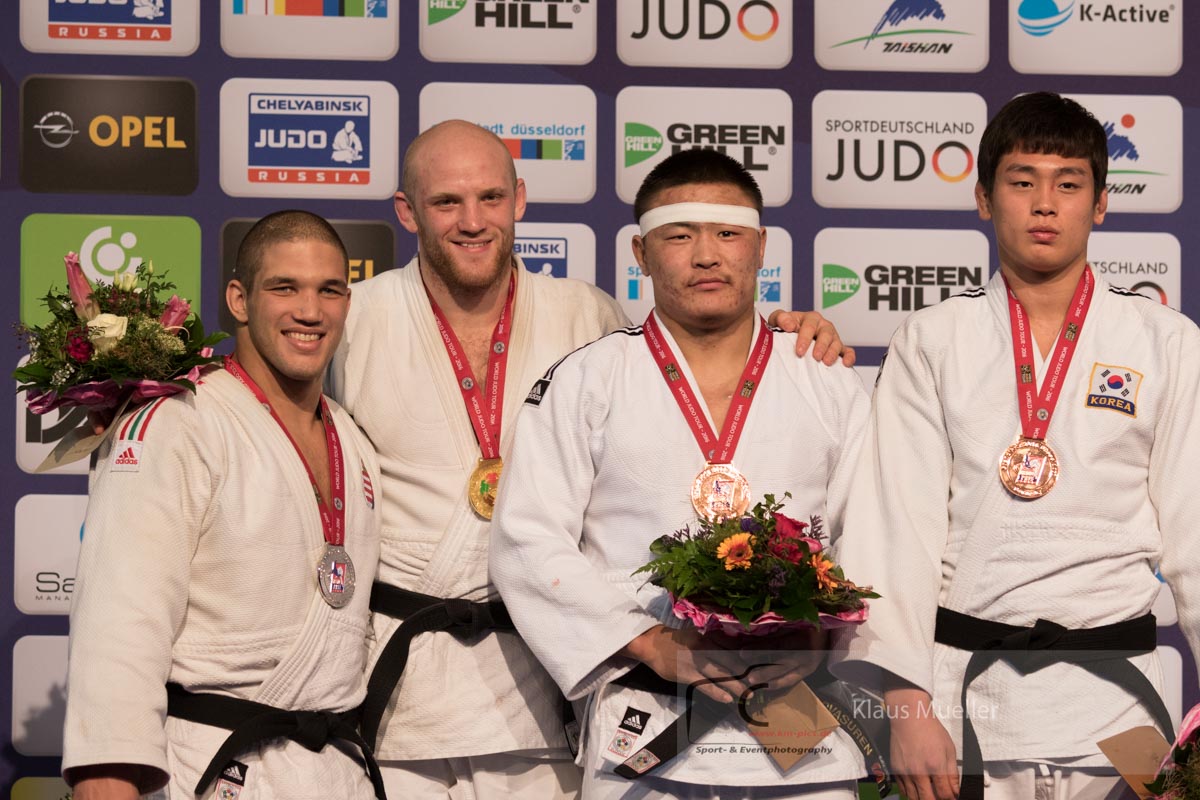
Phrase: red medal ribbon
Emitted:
{"points": [[715, 451], [486, 423], [333, 518], [1037, 408]]}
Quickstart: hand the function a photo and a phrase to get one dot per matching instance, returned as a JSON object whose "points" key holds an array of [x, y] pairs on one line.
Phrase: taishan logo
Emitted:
{"points": [[902, 11], [641, 143], [521, 14], [1122, 151]]}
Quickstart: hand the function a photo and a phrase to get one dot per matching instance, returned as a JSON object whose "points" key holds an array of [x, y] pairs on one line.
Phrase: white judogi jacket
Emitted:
{"points": [[603, 465], [931, 523], [198, 567], [456, 698]]}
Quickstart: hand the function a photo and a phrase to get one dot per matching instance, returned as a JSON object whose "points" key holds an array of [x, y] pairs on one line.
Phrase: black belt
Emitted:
{"points": [[1045, 643], [421, 613], [254, 723], [703, 713]]}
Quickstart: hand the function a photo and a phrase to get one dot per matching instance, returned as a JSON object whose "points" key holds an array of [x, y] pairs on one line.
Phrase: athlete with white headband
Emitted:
{"points": [[700, 411]]}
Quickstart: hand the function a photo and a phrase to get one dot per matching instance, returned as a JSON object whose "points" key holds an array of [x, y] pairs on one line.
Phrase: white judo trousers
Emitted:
{"points": [[602, 465], [934, 526], [198, 567], [459, 699]]}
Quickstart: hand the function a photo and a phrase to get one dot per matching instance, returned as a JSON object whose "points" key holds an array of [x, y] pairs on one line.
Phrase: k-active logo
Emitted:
{"points": [[756, 20], [301, 138], [521, 14], [138, 20], [87, 134], [1042, 17], [911, 38], [746, 142], [312, 8]]}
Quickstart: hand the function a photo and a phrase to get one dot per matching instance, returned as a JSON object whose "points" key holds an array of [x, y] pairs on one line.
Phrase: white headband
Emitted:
{"points": [[740, 216]]}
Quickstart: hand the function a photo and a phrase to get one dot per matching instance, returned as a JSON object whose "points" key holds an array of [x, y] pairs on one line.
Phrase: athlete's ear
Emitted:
{"points": [[983, 202], [405, 212], [235, 298]]}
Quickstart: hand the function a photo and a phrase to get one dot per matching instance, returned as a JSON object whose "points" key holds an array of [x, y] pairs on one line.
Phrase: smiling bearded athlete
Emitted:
{"points": [[605, 462], [437, 359], [216, 585], [1031, 462]]}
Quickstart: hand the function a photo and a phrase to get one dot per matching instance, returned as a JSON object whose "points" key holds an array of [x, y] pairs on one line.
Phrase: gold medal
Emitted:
{"points": [[719, 492], [1029, 468], [481, 489]]}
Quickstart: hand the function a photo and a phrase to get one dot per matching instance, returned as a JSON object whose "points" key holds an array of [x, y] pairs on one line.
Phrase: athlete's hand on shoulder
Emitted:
{"points": [[923, 757], [812, 328]]}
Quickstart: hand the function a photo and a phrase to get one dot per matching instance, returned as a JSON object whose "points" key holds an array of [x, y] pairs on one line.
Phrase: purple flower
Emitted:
{"points": [[751, 525], [776, 581]]}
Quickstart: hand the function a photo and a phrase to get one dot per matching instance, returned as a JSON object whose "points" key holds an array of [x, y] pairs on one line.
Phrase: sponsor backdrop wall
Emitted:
{"points": [[138, 129]]}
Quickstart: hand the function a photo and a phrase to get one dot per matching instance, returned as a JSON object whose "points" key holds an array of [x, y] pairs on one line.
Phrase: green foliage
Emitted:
{"points": [[147, 351], [1181, 780], [786, 571]]}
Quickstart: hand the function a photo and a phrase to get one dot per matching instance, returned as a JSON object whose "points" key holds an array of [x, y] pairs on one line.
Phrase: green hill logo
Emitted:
{"points": [[838, 283], [440, 10], [641, 142]]}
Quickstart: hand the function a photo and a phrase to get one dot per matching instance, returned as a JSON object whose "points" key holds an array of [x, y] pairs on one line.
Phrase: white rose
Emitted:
{"points": [[106, 330]]}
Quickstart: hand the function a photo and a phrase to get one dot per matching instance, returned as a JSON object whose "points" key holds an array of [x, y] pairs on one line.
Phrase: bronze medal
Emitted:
{"points": [[719, 492], [1029, 468], [482, 486]]}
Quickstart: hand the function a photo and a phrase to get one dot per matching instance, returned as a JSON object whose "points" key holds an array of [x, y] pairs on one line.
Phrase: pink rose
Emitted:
{"points": [[176, 312], [81, 290], [792, 530]]}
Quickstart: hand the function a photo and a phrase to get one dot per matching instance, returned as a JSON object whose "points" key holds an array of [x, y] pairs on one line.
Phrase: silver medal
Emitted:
{"points": [[335, 576]]}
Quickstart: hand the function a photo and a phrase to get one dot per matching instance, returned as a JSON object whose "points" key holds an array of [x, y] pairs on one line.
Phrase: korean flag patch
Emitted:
{"points": [[1114, 388]]}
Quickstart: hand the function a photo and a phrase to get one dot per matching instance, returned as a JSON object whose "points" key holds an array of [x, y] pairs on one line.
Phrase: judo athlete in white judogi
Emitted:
{"points": [[215, 592], [603, 464], [1088, 392], [458, 706]]}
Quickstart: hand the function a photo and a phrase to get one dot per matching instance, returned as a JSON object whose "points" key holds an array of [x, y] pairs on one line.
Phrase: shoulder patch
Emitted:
{"points": [[1114, 388], [542, 385], [1123, 292], [131, 435], [978, 291]]}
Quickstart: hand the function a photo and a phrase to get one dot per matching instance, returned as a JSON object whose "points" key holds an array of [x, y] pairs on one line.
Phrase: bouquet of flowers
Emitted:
{"points": [[112, 344], [756, 574], [1179, 774]]}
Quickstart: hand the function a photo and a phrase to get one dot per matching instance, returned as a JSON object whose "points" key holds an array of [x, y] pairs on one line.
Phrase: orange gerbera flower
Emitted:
{"points": [[736, 550], [825, 581]]}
